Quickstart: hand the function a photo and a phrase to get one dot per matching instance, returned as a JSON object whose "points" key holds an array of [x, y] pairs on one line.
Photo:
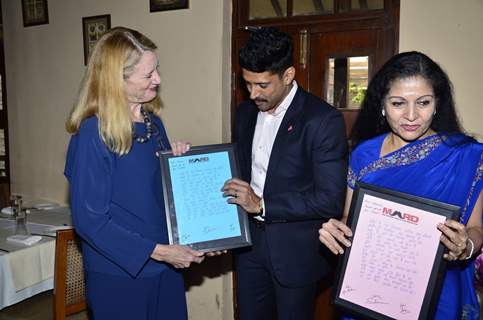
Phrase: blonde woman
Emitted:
{"points": [[115, 184]]}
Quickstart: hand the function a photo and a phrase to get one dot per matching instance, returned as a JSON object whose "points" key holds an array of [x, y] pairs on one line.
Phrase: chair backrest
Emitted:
{"points": [[69, 288]]}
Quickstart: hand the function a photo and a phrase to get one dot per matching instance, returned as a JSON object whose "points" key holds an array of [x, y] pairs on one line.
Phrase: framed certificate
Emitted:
{"points": [[198, 215], [394, 267]]}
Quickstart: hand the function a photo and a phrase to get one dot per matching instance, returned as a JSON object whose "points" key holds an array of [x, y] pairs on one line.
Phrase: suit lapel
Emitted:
{"points": [[286, 128]]}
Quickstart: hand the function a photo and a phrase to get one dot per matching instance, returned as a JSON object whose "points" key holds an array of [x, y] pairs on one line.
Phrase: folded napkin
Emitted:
{"points": [[26, 240], [32, 265], [7, 210], [46, 206]]}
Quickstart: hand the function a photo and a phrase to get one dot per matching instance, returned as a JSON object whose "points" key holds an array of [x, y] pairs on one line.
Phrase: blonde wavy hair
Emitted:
{"points": [[102, 90]]}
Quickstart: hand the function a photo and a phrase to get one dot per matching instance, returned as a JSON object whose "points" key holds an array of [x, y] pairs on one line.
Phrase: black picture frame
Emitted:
{"points": [[371, 307], [195, 172], [163, 5], [35, 12], [92, 29]]}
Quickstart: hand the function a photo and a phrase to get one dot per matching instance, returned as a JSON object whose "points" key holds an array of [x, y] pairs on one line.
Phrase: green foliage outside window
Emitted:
{"points": [[358, 92]]}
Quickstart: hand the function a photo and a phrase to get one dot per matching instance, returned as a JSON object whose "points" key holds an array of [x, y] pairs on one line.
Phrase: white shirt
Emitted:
{"points": [[265, 132]]}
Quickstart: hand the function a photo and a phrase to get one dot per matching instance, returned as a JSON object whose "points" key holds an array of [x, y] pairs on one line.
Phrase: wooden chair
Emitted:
{"points": [[69, 288]]}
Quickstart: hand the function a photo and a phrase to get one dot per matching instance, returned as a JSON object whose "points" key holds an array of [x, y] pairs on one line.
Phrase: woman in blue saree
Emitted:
{"points": [[407, 138]]}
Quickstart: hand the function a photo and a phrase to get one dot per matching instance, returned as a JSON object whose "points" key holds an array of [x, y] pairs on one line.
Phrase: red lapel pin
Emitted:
{"points": [[290, 128]]}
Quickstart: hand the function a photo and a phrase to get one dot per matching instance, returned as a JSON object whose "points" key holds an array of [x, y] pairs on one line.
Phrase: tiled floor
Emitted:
{"points": [[38, 307]]}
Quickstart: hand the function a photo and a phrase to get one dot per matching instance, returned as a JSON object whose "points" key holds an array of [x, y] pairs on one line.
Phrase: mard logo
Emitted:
{"points": [[399, 215], [198, 160]]}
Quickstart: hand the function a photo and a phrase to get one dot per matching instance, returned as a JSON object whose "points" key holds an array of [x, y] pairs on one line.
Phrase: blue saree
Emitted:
{"points": [[443, 168]]}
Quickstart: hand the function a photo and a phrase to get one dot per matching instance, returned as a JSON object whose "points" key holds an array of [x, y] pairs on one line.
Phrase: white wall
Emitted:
{"points": [[44, 65], [450, 32]]}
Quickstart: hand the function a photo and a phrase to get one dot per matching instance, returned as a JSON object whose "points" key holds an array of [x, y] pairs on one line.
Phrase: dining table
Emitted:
{"points": [[28, 269]]}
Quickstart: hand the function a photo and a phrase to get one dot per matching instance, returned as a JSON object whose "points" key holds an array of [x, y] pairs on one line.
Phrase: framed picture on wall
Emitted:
{"points": [[163, 5], [35, 12], [92, 29]]}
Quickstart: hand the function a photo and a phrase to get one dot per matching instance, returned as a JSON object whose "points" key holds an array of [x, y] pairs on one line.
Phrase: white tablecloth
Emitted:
{"points": [[26, 271]]}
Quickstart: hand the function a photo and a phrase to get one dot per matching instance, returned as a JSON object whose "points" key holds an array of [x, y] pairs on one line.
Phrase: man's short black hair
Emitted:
{"points": [[267, 49]]}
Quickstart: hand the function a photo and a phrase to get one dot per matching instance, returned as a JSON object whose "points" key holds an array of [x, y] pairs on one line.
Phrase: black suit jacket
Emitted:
{"points": [[305, 183]]}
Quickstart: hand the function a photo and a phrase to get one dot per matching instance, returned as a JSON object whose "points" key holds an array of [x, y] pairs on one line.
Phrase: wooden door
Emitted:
{"points": [[346, 29], [330, 54]]}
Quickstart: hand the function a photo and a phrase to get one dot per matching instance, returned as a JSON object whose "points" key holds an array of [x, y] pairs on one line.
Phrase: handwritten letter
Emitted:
{"points": [[391, 257], [201, 210]]}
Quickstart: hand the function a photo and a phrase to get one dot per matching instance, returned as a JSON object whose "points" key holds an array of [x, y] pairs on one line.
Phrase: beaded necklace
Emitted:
{"points": [[149, 127], [151, 131]]}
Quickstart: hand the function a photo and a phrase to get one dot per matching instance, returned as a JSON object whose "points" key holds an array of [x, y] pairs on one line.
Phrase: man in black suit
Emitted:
{"points": [[292, 151]]}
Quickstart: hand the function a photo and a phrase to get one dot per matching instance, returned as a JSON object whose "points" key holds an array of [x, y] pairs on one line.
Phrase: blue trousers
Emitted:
{"points": [[157, 297]]}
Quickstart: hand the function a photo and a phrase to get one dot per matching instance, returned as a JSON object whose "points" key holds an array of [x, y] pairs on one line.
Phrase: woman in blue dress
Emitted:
{"points": [[407, 138], [115, 184]]}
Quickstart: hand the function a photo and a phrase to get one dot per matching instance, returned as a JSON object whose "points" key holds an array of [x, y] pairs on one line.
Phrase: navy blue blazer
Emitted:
{"points": [[305, 183]]}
